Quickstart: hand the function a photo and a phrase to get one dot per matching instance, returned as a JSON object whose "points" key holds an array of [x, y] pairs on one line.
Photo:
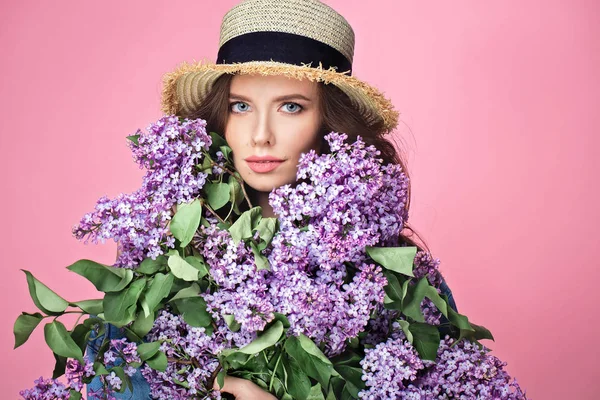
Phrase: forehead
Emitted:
{"points": [[276, 85]]}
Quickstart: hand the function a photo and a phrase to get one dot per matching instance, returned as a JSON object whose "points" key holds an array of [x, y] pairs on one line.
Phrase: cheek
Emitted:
{"points": [[306, 138], [233, 137]]}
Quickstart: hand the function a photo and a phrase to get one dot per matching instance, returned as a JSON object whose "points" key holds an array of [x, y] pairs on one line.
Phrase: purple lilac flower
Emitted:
{"points": [[346, 200], [243, 291], [75, 372], [46, 389], [191, 354], [390, 368], [139, 221], [102, 393], [114, 381], [462, 370]]}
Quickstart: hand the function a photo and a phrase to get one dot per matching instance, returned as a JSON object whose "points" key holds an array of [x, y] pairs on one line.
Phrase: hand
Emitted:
{"points": [[243, 389]]}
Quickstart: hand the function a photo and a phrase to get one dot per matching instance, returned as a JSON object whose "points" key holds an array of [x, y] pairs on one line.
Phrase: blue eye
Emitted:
{"points": [[243, 107], [296, 108]]}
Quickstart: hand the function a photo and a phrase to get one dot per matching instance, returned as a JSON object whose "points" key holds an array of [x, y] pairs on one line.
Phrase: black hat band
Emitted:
{"points": [[281, 47]]}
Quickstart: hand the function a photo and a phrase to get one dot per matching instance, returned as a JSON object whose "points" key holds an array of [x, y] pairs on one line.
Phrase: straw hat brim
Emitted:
{"points": [[185, 88]]}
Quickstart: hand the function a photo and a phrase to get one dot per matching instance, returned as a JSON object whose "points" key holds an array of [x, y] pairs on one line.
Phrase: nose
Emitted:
{"points": [[263, 134]]}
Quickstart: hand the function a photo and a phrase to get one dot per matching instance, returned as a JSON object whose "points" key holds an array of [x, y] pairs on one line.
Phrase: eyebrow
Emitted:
{"points": [[286, 97]]}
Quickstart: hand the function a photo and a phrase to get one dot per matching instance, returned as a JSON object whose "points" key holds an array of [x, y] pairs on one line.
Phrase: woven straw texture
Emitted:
{"points": [[309, 18]]}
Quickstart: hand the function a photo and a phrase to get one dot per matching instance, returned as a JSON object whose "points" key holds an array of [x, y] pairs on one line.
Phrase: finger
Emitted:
{"points": [[230, 385]]}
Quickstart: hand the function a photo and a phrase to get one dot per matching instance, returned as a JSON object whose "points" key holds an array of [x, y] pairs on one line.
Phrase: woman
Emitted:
{"points": [[282, 80]]}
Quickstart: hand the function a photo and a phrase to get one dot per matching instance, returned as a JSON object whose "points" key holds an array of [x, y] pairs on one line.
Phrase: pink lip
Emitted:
{"points": [[263, 167]]}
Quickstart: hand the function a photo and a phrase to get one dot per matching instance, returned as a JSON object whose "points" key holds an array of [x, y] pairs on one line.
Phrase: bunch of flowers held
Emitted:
{"points": [[322, 302]]}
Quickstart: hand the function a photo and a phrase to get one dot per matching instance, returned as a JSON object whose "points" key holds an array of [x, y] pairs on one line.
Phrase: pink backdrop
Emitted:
{"points": [[499, 105]]}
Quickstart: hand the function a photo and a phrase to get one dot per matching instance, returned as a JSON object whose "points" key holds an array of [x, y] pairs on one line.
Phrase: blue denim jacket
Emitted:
{"points": [[141, 389]]}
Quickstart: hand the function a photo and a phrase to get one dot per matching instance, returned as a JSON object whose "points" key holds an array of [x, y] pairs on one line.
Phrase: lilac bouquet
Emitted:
{"points": [[322, 302]]}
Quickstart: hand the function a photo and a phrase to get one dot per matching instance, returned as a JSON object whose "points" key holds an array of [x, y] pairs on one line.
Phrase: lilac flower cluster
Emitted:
{"points": [[243, 291], [139, 221], [46, 389], [393, 370], [345, 200], [54, 389], [192, 358], [390, 368], [464, 370], [425, 266], [123, 351], [75, 372]]}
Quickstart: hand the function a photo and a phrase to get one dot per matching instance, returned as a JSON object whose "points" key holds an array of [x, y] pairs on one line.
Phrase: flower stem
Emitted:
{"points": [[274, 371]]}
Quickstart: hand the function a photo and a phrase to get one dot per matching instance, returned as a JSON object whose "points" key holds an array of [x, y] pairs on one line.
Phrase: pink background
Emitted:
{"points": [[499, 104]]}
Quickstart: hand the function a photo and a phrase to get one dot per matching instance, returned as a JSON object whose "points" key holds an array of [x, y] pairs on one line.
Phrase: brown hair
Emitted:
{"points": [[338, 114]]}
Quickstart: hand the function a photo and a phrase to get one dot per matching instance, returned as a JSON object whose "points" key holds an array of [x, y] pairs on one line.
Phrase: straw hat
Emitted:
{"points": [[301, 39]]}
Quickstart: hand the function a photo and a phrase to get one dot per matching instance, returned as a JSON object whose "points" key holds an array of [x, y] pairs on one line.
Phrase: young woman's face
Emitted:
{"points": [[272, 120]]}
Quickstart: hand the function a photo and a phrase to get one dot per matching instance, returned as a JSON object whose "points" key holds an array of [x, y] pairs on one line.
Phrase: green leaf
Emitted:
{"points": [[481, 332], [104, 278], [191, 291], [158, 362], [242, 228], [314, 365], [267, 228], [182, 269], [221, 378], [150, 266], [267, 339], [459, 320], [226, 150], [206, 165], [405, 325], [120, 308], [58, 339], [44, 298], [92, 307], [311, 348], [193, 311], [217, 194], [233, 325], [185, 221], [142, 324], [118, 370], [397, 259], [236, 195], [60, 365], [316, 393], [411, 305], [426, 340], [81, 335], [24, 326], [100, 369], [134, 139], [159, 288], [148, 350], [347, 358], [74, 395], [217, 141], [198, 263], [297, 383], [260, 260], [353, 377], [393, 288]]}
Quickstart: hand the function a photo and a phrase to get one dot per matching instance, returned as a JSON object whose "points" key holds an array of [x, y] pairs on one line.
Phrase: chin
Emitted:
{"points": [[265, 183]]}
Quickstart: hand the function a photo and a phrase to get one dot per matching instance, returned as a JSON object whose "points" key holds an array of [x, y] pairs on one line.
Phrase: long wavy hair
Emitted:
{"points": [[337, 114]]}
